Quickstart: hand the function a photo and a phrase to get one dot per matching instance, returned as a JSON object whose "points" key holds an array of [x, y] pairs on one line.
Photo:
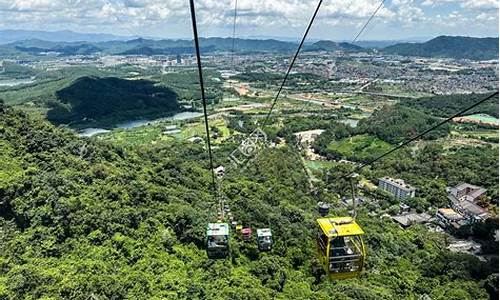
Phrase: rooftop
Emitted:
{"points": [[471, 191], [217, 229], [450, 214], [339, 226], [407, 219], [219, 168], [398, 182], [264, 232], [465, 246], [468, 206], [348, 201]]}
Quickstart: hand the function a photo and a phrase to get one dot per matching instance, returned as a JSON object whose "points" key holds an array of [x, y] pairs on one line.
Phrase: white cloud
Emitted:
{"points": [[264, 15], [486, 17], [481, 4], [257, 12]]}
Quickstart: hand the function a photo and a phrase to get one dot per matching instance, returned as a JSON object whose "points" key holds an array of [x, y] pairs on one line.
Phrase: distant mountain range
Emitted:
{"points": [[10, 36], [443, 46], [142, 46]]}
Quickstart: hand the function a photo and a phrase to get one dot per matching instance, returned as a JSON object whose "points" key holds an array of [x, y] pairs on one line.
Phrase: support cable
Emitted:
{"points": [[292, 63], [408, 141], [200, 74], [353, 192], [234, 32], [233, 47], [368, 22], [301, 44]]}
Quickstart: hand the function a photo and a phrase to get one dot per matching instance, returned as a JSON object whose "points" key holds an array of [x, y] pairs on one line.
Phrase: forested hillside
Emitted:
{"points": [[397, 123], [447, 105], [94, 98], [81, 218], [459, 47]]}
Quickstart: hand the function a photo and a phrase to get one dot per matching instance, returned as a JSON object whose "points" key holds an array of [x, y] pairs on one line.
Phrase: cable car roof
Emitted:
{"points": [[264, 232], [339, 226], [217, 229]]}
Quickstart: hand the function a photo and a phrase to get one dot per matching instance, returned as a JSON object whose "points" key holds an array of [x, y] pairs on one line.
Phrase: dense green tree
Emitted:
{"points": [[82, 218]]}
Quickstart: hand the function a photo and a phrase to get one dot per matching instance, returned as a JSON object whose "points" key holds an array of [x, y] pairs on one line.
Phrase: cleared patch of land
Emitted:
{"points": [[360, 146], [152, 134], [316, 165]]}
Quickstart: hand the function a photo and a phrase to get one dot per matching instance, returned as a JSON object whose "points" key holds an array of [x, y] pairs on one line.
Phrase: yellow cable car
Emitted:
{"points": [[341, 250]]}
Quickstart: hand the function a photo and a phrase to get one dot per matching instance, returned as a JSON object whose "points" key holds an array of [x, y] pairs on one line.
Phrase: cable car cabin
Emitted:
{"points": [[341, 250], [247, 234], [264, 239], [217, 240]]}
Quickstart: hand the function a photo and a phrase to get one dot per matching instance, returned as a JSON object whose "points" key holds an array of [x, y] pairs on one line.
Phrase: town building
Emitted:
{"points": [[465, 191], [346, 201], [404, 208], [397, 187], [195, 139], [465, 246], [407, 219], [449, 218], [309, 136], [463, 200], [463, 210], [171, 129]]}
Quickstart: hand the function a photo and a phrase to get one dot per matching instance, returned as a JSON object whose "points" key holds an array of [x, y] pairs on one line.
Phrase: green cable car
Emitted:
{"points": [[264, 239]]}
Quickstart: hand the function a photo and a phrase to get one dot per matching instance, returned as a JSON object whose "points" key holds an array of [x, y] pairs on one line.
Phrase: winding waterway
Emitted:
{"points": [[141, 122]]}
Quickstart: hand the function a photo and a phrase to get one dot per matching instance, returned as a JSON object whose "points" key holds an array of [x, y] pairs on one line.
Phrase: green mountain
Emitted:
{"points": [[443, 46], [248, 45], [331, 46], [9, 36], [94, 98], [142, 46], [458, 47]]}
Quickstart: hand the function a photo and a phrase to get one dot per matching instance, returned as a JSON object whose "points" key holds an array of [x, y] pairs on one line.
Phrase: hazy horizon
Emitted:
{"points": [[104, 36]]}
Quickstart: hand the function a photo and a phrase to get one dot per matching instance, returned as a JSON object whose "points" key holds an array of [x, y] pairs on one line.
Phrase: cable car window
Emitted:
{"points": [[322, 241]]}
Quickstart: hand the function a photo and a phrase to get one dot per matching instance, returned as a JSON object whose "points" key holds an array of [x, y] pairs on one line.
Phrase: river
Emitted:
{"points": [[141, 122]]}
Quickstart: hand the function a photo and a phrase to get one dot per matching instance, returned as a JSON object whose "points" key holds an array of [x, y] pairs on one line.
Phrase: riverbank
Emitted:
{"points": [[142, 121]]}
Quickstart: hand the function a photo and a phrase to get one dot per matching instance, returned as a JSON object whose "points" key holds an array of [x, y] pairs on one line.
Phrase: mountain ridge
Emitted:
{"points": [[327, 45], [459, 47], [13, 35]]}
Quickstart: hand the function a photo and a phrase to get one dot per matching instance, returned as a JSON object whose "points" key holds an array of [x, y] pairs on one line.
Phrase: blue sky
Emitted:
{"points": [[337, 20]]}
